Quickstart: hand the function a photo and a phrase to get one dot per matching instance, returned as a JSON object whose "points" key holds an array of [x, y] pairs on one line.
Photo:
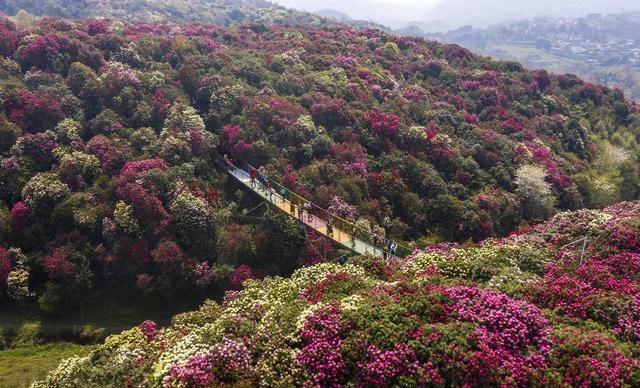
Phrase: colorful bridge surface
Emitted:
{"points": [[339, 230]]}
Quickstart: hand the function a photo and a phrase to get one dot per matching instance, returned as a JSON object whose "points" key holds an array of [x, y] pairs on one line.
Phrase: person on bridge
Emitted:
{"points": [[392, 249], [252, 176], [300, 211], [308, 206], [268, 189], [262, 177], [227, 161], [329, 229]]}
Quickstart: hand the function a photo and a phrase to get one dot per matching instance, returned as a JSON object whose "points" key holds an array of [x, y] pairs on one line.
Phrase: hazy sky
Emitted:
{"points": [[455, 13], [320, 4]]}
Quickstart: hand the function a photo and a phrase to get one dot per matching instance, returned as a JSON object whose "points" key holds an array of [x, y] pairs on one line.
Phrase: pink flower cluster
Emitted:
{"points": [[168, 253], [591, 360], [242, 273], [628, 326], [147, 207], [149, 329], [512, 333], [143, 165], [385, 124], [224, 363], [196, 372], [380, 367], [59, 266], [19, 216], [321, 355], [352, 157], [342, 209]]}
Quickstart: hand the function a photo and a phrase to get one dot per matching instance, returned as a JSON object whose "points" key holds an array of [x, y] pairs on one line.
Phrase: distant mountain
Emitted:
{"points": [[418, 28], [601, 48], [390, 13], [219, 12], [457, 13], [333, 14]]}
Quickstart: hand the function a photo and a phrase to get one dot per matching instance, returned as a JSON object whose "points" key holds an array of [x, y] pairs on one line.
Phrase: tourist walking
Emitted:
{"points": [[252, 177], [308, 207], [392, 249]]}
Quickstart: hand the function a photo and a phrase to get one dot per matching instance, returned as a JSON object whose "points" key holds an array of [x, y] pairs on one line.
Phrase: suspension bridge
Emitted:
{"points": [[320, 220]]}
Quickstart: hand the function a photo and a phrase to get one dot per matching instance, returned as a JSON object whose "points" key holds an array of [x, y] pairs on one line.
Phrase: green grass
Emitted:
{"points": [[62, 336], [21, 367], [109, 316]]}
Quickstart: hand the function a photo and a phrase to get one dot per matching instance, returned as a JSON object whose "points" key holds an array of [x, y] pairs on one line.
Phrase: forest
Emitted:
{"points": [[109, 135]]}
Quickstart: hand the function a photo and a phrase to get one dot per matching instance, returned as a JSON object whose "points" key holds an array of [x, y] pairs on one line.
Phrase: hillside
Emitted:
{"points": [[537, 309], [109, 134], [219, 12], [602, 48]]}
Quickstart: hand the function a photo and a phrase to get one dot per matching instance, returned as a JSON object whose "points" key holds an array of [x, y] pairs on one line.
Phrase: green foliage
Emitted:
{"points": [[27, 335], [124, 218], [9, 134], [53, 300], [194, 219], [44, 190]]}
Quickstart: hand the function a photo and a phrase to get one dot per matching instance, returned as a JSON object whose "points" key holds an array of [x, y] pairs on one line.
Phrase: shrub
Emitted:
{"points": [[27, 335]]}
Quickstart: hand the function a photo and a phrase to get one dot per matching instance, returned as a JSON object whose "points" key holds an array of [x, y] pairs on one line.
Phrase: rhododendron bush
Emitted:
{"points": [[529, 310]]}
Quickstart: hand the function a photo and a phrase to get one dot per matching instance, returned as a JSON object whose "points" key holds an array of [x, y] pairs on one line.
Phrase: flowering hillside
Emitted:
{"points": [[219, 12], [530, 310], [109, 131]]}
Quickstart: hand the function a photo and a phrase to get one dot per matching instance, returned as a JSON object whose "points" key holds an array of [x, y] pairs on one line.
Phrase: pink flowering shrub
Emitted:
{"points": [[384, 123], [331, 113], [38, 147], [225, 363], [242, 273], [146, 206], [628, 325], [111, 157], [8, 36], [382, 367], [512, 333], [321, 356], [19, 216], [149, 329], [507, 340], [342, 209], [589, 359], [59, 265], [352, 157], [35, 112], [143, 165], [168, 253]]}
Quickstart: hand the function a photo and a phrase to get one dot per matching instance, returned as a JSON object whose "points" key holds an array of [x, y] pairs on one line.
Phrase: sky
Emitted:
{"points": [[456, 13]]}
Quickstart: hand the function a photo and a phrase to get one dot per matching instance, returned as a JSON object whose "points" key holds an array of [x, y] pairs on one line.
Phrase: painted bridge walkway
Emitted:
{"points": [[337, 229]]}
